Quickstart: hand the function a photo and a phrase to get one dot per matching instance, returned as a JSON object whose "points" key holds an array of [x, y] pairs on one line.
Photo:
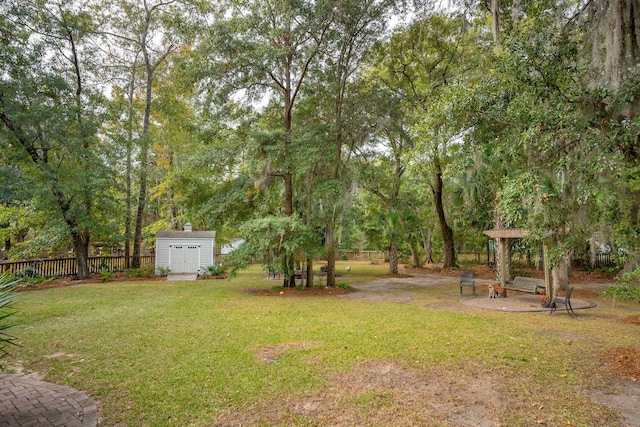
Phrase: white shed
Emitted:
{"points": [[233, 244], [185, 251]]}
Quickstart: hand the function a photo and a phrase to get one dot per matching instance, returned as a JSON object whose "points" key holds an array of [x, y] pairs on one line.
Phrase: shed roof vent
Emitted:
{"points": [[187, 227]]}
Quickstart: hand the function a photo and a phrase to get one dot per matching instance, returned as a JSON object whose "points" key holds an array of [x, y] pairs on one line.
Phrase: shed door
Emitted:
{"points": [[184, 258]]}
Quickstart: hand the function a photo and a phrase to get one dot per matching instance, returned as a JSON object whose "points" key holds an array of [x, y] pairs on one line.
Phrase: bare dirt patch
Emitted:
{"points": [[624, 361], [274, 352], [631, 319], [383, 393], [394, 276]]}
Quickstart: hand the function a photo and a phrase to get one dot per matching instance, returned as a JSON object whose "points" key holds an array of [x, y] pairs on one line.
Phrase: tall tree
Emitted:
{"points": [[49, 110], [385, 164], [357, 26], [142, 36], [560, 118], [420, 63], [265, 49]]}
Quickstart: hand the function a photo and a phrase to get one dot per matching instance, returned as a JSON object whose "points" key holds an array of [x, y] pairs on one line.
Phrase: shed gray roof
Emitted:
{"points": [[187, 234]]}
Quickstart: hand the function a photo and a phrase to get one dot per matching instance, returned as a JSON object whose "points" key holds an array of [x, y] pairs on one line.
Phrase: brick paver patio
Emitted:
{"points": [[25, 402]]}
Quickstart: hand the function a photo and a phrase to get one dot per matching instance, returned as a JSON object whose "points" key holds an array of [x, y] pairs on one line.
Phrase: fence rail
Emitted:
{"points": [[600, 261], [361, 255], [60, 267]]}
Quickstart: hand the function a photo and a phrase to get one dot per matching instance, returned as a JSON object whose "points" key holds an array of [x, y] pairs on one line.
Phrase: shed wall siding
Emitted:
{"points": [[163, 244]]}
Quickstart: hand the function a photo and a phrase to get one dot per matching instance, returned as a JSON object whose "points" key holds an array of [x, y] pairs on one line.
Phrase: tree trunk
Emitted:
{"points": [[129, 167], [142, 197], [428, 245], [81, 248], [309, 201], [144, 156], [592, 251], [447, 233], [287, 176], [288, 282], [331, 253], [289, 274], [331, 223], [127, 213], [616, 43], [393, 256], [560, 273], [144, 149], [414, 254], [495, 23]]}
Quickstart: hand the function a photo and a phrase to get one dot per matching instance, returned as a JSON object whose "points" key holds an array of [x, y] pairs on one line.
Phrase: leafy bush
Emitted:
{"points": [[104, 264], [7, 293], [163, 271], [106, 275], [214, 270], [30, 275], [140, 272], [627, 287], [343, 285], [133, 272]]}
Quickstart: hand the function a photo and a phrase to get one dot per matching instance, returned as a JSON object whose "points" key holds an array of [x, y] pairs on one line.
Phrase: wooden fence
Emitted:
{"points": [[60, 267], [361, 255], [601, 260]]}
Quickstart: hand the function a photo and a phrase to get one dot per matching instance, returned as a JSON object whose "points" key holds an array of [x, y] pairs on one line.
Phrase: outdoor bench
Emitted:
{"points": [[526, 284], [273, 273]]}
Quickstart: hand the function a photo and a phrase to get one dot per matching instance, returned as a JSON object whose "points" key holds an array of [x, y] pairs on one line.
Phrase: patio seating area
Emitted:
{"points": [[521, 303]]}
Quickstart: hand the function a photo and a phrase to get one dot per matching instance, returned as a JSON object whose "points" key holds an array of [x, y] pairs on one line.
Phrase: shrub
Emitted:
{"points": [[30, 275], [163, 271], [7, 293], [133, 272], [106, 275], [140, 272], [627, 287], [214, 270]]}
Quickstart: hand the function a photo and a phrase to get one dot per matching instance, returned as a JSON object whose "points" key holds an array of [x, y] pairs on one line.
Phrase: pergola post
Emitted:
{"points": [[502, 242]]}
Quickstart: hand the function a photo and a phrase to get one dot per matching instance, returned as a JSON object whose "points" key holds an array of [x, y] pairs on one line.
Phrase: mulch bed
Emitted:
{"points": [[625, 361], [631, 319]]}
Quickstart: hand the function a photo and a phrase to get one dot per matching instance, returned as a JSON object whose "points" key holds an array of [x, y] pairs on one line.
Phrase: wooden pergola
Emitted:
{"points": [[503, 236]]}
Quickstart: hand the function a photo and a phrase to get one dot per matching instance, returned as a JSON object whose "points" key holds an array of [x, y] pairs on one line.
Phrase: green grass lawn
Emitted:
{"points": [[196, 353]]}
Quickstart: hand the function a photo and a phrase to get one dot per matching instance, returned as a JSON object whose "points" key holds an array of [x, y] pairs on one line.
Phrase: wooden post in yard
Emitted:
{"points": [[503, 261]]}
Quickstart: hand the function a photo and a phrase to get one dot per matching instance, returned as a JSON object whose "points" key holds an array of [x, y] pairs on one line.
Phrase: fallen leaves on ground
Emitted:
{"points": [[625, 361]]}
